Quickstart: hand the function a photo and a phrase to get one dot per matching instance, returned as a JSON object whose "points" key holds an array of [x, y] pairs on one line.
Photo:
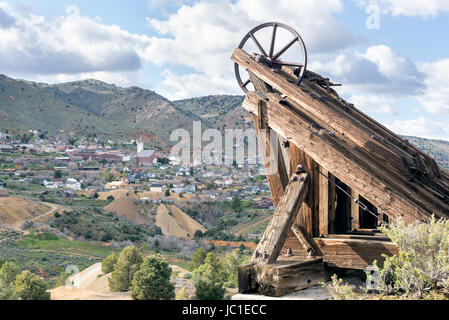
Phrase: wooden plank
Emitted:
{"points": [[323, 203], [355, 212], [332, 203], [278, 179], [354, 253], [274, 236], [309, 209], [346, 163], [307, 243], [387, 158], [276, 281]]}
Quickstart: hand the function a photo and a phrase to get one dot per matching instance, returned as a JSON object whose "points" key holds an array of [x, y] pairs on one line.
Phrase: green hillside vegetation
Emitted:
{"points": [[97, 225], [87, 107], [438, 149]]}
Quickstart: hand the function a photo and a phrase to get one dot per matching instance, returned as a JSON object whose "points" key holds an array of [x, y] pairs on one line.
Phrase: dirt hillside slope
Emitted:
{"points": [[127, 208], [15, 211], [175, 222]]}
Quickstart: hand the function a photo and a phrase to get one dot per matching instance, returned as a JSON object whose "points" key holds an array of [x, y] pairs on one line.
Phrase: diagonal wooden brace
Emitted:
{"points": [[273, 239]]}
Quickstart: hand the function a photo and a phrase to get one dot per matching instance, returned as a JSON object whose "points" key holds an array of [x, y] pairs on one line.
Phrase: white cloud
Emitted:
{"points": [[6, 21], [176, 87], [202, 36], [378, 70], [421, 126], [436, 96], [414, 8], [372, 104], [70, 44]]}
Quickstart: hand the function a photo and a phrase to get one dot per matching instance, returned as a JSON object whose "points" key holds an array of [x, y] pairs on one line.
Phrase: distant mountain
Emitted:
{"points": [[218, 111], [438, 149], [88, 107], [95, 107]]}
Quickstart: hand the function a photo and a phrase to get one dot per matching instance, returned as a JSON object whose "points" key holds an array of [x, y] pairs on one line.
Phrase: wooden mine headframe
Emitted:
{"points": [[353, 172]]}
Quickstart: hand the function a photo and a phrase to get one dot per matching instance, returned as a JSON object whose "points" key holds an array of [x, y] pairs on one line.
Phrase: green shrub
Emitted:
{"points": [[28, 286], [198, 257], [423, 261], [419, 271], [208, 279], [152, 281], [8, 273], [107, 265], [127, 265], [340, 290]]}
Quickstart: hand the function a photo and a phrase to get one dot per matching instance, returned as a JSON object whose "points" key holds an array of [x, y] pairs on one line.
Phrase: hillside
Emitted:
{"points": [[15, 211], [95, 107], [438, 149], [217, 110], [87, 107], [175, 222], [127, 208]]}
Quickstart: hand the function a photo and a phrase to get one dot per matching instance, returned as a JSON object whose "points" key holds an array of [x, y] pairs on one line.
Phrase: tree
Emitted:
{"points": [[127, 265], [198, 257], [96, 195], [208, 279], [152, 281], [110, 198], [107, 265], [8, 273], [30, 287], [236, 204], [57, 174], [167, 193], [198, 234]]}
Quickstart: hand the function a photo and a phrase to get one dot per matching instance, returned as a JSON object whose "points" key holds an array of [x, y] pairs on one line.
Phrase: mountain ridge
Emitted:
{"points": [[93, 107]]}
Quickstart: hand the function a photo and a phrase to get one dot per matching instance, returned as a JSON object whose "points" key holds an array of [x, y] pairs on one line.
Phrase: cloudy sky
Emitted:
{"points": [[392, 56]]}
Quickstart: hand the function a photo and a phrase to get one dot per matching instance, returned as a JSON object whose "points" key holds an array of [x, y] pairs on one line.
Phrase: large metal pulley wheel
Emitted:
{"points": [[271, 57]]}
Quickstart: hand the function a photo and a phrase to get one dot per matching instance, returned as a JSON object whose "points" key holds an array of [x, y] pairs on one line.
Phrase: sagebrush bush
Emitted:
{"points": [[419, 271], [423, 261]]}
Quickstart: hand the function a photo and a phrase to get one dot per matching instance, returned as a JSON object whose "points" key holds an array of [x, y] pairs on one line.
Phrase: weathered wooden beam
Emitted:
{"points": [[308, 208], [277, 178], [307, 243], [343, 160], [355, 212], [354, 253], [332, 203], [323, 203], [274, 236], [281, 277]]}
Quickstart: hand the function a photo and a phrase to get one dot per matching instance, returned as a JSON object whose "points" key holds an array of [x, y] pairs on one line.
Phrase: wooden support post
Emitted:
{"points": [[323, 203], [307, 243], [309, 209], [277, 180], [332, 204], [355, 210], [274, 236]]}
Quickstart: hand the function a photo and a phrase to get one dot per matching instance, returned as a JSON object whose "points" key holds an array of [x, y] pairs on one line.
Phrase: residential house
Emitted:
{"points": [[178, 189], [50, 184], [72, 184], [115, 185], [145, 158], [5, 148], [157, 187], [190, 188]]}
